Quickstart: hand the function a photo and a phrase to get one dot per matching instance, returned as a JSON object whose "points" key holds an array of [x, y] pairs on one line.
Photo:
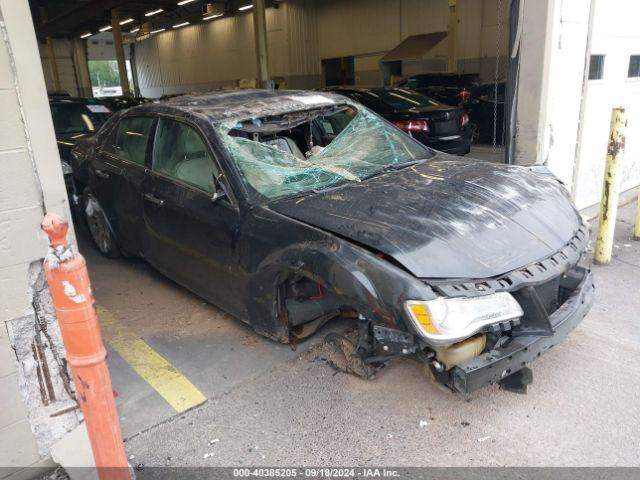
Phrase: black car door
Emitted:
{"points": [[117, 175], [189, 236]]}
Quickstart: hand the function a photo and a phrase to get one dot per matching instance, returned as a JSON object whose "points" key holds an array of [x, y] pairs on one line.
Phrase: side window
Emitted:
{"points": [[130, 138], [180, 152]]}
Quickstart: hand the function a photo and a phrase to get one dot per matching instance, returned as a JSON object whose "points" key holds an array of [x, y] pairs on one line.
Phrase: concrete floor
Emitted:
{"points": [[487, 152], [269, 405]]}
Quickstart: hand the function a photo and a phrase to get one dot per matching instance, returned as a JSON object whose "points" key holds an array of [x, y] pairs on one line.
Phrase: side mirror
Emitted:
{"points": [[220, 190], [218, 195]]}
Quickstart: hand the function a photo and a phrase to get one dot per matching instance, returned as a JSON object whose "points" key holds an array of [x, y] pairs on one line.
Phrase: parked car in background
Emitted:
{"points": [[448, 88], [438, 126], [73, 120], [123, 102], [290, 208], [482, 109]]}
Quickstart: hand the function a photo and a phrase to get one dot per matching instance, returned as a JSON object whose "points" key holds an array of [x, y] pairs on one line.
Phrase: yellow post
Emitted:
{"points": [[636, 233], [611, 187]]}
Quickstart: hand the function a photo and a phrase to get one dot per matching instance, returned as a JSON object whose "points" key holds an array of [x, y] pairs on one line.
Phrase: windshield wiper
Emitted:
{"points": [[400, 166], [393, 167]]}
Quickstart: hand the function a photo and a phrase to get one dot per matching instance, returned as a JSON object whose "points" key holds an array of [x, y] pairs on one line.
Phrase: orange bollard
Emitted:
{"points": [[68, 281]]}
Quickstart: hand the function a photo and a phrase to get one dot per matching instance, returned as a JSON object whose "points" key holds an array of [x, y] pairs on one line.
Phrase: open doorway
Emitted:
{"points": [[338, 71], [105, 79]]}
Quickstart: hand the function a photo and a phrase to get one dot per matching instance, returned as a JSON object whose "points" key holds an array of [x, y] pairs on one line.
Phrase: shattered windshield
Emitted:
{"points": [[313, 150]]}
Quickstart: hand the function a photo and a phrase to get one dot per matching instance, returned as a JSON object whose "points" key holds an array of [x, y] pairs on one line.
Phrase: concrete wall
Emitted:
{"points": [[303, 32], [71, 60], [615, 35], [210, 55], [366, 29], [563, 121], [31, 184]]}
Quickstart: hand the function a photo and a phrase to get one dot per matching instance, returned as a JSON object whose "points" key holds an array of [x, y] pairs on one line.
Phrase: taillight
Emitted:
{"points": [[412, 125], [464, 95], [464, 119]]}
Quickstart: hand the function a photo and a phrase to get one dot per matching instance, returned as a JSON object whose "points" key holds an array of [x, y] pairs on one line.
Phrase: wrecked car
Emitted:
{"points": [[287, 209]]}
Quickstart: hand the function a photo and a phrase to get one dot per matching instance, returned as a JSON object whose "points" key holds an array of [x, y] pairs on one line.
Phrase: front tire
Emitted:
{"points": [[99, 228]]}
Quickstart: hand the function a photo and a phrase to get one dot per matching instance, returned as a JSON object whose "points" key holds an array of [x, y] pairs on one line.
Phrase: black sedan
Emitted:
{"points": [[486, 113], [435, 124], [290, 208], [448, 88], [73, 120], [123, 102]]}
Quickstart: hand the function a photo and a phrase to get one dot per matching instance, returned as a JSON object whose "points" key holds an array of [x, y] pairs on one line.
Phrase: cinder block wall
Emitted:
{"points": [[31, 184]]}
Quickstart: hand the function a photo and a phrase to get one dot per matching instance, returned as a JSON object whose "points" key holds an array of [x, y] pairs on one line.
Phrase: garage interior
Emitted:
{"points": [[196, 387]]}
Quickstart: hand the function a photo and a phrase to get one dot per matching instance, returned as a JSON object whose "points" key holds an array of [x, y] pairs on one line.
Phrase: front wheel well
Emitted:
{"points": [[306, 304]]}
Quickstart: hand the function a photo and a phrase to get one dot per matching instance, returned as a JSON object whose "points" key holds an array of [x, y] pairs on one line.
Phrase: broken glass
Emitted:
{"points": [[364, 146]]}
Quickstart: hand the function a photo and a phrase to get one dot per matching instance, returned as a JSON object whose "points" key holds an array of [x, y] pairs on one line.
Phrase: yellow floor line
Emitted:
{"points": [[167, 380]]}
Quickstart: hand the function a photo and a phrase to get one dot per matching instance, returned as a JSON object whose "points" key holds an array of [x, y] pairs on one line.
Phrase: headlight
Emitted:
{"points": [[66, 168], [448, 320]]}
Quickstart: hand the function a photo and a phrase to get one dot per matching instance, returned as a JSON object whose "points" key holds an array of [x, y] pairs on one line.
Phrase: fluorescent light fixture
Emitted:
{"points": [[104, 29], [85, 35], [181, 25], [246, 7], [128, 20], [158, 30], [184, 2], [153, 12], [212, 16], [137, 29]]}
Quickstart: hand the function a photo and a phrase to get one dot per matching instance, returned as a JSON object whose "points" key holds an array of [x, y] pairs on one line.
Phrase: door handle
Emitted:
{"points": [[153, 199], [102, 174]]}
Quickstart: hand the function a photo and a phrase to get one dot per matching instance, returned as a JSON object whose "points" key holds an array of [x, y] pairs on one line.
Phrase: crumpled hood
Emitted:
{"points": [[447, 218]]}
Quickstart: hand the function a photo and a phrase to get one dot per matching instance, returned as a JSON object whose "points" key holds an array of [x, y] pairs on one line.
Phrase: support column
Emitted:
{"points": [[260, 28], [452, 58], [53, 64], [81, 66], [51, 54], [117, 43]]}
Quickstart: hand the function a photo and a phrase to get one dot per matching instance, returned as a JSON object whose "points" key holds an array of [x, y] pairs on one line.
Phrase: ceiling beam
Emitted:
{"points": [[70, 20]]}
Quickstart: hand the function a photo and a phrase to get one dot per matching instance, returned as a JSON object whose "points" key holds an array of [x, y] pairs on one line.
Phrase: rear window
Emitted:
{"points": [[78, 117], [402, 99]]}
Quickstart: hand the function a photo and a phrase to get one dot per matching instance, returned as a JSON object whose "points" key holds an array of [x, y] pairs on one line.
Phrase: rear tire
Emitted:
{"points": [[98, 226]]}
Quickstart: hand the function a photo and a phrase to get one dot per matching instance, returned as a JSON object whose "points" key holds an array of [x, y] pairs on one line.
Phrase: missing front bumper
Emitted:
{"points": [[499, 363]]}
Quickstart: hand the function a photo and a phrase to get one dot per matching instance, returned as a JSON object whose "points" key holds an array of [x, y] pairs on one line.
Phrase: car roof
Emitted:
{"points": [[219, 106]]}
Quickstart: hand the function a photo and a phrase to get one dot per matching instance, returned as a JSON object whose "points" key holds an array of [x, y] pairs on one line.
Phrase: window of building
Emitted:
{"points": [[596, 67], [634, 66]]}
